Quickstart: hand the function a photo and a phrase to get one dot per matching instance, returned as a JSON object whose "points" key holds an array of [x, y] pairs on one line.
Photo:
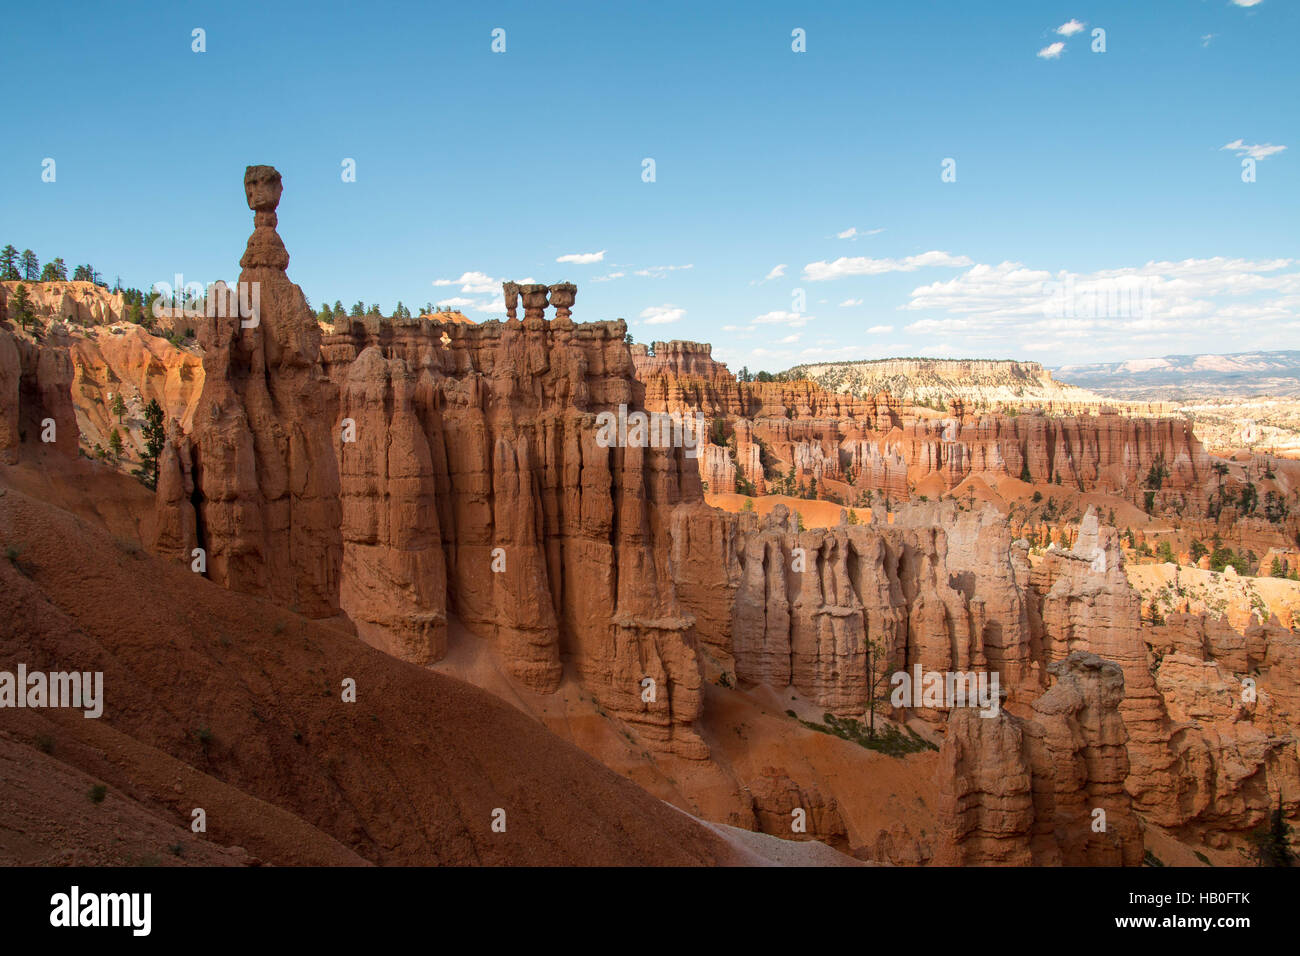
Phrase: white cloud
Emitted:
{"points": [[854, 233], [1205, 40], [848, 303], [880, 330], [776, 273], [1247, 3], [1069, 28], [583, 258], [477, 282], [738, 328], [1052, 51], [1257, 151], [473, 282], [789, 339], [662, 314], [607, 278], [1159, 302], [460, 303], [658, 272], [863, 266]]}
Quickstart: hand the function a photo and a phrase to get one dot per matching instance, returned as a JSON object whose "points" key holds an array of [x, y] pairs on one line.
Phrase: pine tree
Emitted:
{"points": [[115, 443], [154, 438], [20, 307], [339, 311], [877, 673], [31, 266], [358, 310], [9, 264], [119, 407], [60, 270], [1270, 845]]}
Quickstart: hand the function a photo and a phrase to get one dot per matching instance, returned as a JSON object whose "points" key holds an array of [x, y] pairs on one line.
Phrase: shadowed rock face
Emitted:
{"points": [[35, 389]]}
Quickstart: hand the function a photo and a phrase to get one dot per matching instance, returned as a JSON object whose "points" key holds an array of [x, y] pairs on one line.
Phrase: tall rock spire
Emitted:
{"points": [[265, 473]]}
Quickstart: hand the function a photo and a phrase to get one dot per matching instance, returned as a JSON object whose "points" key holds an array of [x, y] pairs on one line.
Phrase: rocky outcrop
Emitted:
{"points": [[934, 590], [141, 368], [1087, 604], [555, 546], [983, 381], [1047, 789], [11, 376], [1233, 704], [1082, 750], [35, 398], [176, 533], [880, 444], [784, 809], [393, 580], [76, 303], [678, 360]]}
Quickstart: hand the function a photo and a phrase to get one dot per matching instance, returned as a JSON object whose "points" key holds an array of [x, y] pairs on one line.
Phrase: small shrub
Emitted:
{"points": [[98, 792]]}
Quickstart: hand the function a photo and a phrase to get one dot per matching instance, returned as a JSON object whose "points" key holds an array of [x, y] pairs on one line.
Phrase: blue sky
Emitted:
{"points": [[1099, 172]]}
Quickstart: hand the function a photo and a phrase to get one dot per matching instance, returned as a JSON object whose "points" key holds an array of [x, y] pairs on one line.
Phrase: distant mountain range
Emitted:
{"points": [[1175, 378]]}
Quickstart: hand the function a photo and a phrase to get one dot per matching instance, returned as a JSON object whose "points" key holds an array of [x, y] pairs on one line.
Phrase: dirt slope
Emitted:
{"points": [[221, 701]]}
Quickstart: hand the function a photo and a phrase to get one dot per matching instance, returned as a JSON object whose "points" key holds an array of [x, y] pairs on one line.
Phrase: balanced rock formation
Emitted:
{"points": [[264, 460], [402, 471]]}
